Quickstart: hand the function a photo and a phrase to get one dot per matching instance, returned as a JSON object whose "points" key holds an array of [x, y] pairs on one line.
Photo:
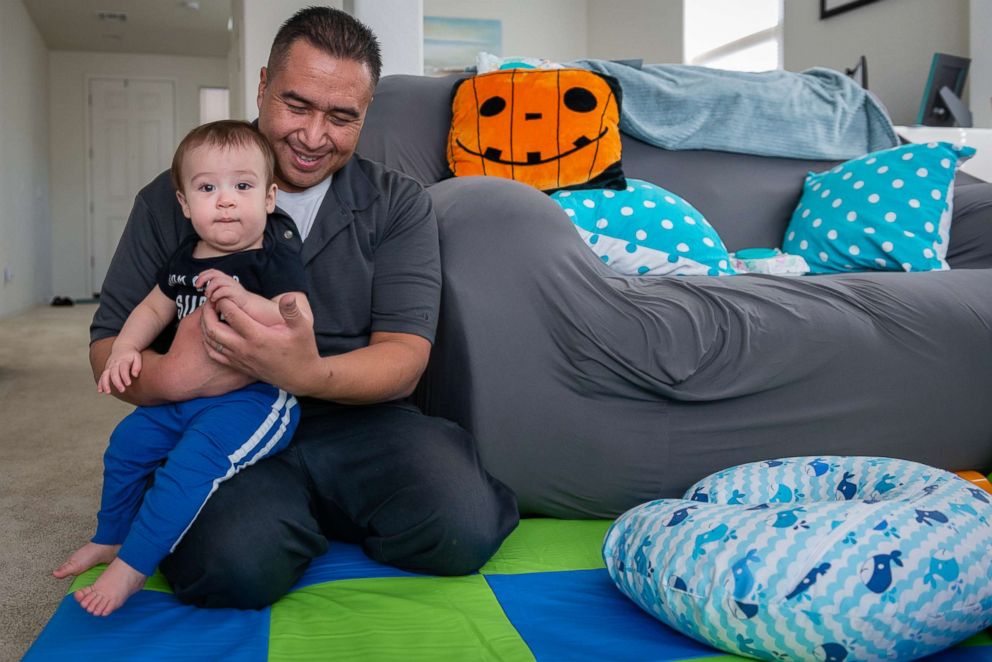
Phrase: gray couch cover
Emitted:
{"points": [[589, 392]]}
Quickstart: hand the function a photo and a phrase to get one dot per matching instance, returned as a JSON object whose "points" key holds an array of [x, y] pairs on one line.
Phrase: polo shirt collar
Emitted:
{"points": [[350, 191]]}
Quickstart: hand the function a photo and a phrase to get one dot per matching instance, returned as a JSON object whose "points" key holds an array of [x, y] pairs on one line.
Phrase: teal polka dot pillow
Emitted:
{"points": [[646, 230], [886, 211]]}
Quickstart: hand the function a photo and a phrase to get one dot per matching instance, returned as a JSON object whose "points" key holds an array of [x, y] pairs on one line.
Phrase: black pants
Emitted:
{"points": [[409, 488]]}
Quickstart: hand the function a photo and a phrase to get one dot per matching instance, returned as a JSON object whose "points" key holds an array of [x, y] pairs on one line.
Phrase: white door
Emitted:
{"points": [[132, 136]]}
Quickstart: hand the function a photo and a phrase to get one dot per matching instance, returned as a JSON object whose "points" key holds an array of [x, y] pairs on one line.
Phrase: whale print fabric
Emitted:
{"points": [[814, 558]]}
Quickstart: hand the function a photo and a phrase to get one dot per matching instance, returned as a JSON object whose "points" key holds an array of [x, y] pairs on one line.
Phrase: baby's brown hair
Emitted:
{"points": [[223, 133]]}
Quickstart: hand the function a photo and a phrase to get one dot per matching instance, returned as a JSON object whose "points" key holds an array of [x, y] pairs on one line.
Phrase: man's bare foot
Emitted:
{"points": [[86, 557], [111, 589]]}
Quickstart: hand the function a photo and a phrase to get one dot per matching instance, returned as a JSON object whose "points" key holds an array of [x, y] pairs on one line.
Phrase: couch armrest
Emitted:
{"points": [[971, 227]]}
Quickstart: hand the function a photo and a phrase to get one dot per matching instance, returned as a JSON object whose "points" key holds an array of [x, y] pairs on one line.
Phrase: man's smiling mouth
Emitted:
{"points": [[533, 158]]}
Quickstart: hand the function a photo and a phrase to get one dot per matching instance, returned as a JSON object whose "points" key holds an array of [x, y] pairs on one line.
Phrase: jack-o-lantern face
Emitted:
{"points": [[552, 129]]}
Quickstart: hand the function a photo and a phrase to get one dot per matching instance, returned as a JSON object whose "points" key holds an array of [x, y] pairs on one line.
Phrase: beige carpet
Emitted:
{"points": [[53, 430]]}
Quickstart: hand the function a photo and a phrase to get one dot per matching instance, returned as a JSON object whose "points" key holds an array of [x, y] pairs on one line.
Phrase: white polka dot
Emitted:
{"points": [[826, 192], [805, 213], [883, 170], [689, 220], [564, 194], [723, 264], [871, 161], [669, 199], [935, 194], [817, 222], [609, 194], [792, 236], [682, 248], [602, 223], [873, 198], [630, 189], [932, 144], [898, 183], [709, 242], [858, 184], [945, 163], [823, 256], [907, 267], [852, 216], [869, 230], [853, 250], [641, 235], [880, 261], [650, 204], [816, 186], [922, 172], [847, 176], [890, 217], [907, 156], [836, 203], [887, 246], [908, 233], [570, 212], [667, 224], [589, 203], [804, 244], [626, 211], [928, 253], [832, 234], [914, 203]]}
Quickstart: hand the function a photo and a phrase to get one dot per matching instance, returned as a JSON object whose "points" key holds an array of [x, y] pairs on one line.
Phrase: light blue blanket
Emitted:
{"points": [[817, 114]]}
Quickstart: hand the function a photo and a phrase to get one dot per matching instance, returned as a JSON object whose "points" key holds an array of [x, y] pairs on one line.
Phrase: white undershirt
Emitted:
{"points": [[302, 207]]}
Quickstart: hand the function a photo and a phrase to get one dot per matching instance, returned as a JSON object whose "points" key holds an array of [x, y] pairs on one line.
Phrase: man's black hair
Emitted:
{"points": [[331, 30]]}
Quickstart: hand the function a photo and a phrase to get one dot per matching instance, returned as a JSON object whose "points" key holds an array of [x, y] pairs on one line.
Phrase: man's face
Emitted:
{"points": [[312, 110]]}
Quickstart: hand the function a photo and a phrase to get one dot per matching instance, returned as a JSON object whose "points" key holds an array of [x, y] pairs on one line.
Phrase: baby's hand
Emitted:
{"points": [[221, 286], [122, 365]]}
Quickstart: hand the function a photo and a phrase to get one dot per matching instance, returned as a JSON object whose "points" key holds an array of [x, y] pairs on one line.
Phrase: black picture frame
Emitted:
{"points": [[830, 8]]}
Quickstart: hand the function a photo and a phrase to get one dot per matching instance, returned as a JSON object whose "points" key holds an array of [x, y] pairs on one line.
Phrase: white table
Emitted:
{"points": [[980, 165]]}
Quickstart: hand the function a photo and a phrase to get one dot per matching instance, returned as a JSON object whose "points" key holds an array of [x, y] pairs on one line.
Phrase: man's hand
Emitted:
{"points": [[221, 286], [284, 355], [184, 373], [123, 364]]}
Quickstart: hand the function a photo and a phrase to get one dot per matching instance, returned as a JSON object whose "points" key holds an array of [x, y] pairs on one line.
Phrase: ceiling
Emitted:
{"points": [[169, 27]]}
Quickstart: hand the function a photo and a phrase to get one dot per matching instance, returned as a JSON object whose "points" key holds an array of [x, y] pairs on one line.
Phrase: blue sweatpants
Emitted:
{"points": [[204, 442]]}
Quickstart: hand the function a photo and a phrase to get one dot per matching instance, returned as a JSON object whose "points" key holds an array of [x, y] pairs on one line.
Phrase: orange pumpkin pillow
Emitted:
{"points": [[553, 129]]}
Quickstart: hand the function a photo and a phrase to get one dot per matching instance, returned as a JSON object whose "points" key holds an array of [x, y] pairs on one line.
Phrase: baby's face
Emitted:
{"points": [[225, 196]]}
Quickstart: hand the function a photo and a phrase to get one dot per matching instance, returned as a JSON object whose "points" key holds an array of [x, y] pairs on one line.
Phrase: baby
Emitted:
{"points": [[223, 176]]}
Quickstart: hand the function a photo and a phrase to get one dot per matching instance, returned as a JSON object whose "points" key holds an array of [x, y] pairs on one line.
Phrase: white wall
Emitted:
{"points": [[68, 75], [980, 72], [552, 29], [399, 26], [899, 38], [25, 219], [646, 29]]}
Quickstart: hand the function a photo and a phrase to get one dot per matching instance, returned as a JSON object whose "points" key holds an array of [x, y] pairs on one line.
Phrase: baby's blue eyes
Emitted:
{"points": [[206, 188], [210, 188], [243, 186]]}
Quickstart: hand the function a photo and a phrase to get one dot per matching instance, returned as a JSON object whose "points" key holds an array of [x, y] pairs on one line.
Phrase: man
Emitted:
{"points": [[365, 466]]}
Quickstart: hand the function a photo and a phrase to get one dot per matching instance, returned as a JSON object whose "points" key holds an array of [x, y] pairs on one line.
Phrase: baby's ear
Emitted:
{"points": [[183, 204], [270, 199]]}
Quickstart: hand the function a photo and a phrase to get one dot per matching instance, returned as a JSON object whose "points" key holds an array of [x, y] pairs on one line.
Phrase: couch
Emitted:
{"points": [[590, 392]]}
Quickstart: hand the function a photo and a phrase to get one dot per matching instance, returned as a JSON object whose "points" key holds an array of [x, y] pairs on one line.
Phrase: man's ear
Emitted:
{"points": [[183, 204], [263, 80], [270, 199]]}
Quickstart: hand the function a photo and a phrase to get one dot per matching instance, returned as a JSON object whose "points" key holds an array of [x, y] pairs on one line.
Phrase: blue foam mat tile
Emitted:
{"points": [[346, 561], [151, 627], [580, 615]]}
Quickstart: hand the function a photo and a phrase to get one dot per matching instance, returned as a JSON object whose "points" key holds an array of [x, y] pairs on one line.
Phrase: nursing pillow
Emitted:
{"points": [[824, 558]]}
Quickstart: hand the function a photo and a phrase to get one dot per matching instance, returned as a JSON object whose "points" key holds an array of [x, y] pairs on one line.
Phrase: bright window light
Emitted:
{"points": [[743, 35], [214, 104]]}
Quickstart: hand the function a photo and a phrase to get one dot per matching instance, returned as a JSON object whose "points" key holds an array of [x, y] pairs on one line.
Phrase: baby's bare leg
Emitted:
{"points": [[86, 557], [111, 590]]}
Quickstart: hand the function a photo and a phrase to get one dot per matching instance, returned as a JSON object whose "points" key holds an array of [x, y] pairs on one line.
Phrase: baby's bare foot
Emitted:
{"points": [[111, 589], [86, 557]]}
